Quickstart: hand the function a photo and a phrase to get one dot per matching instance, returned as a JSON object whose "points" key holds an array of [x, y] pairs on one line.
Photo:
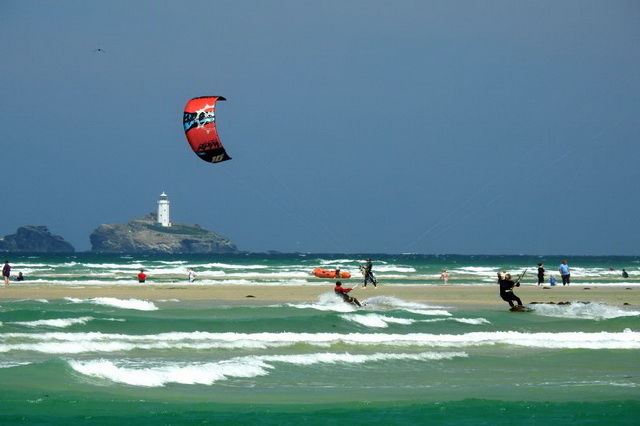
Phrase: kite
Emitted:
{"points": [[200, 128]]}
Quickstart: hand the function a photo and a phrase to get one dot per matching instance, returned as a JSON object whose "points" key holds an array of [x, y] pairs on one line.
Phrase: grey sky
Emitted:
{"points": [[471, 127]]}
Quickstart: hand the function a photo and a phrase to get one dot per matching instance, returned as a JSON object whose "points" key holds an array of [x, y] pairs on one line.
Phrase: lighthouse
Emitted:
{"points": [[163, 210]]}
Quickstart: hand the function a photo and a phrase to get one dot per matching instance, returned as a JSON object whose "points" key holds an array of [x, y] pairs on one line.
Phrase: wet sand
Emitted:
{"points": [[468, 295]]}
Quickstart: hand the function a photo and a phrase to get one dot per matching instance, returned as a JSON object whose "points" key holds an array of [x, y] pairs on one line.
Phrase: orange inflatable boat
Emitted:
{"points": [[326, 273]]}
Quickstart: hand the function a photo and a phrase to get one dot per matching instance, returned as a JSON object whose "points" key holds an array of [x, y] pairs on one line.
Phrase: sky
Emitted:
{"points": [[355, 126]]}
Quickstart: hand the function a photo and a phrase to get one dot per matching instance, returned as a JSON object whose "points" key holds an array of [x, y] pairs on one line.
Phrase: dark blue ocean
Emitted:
{"points": [[178, 362]]}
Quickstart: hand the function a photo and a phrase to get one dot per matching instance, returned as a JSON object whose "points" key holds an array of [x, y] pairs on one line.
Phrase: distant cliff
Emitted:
{"points": [[145, 235], [35, 239]]}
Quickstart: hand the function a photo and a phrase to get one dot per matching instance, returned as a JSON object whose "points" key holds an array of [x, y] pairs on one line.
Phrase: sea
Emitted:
{"points": [[108, 361]]}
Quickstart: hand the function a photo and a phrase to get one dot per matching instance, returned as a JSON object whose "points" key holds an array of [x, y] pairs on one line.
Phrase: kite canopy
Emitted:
{"points": [[200, 128]]}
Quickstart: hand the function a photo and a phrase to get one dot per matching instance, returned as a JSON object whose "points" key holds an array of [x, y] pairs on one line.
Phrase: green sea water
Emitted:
{"points": [[173, 362]]}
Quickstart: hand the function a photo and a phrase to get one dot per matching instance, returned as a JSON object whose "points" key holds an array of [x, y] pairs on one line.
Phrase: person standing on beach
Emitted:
{"points": [[624, 274], [506, 289], [565, 273], [444, 276], [6, 272], [540, 273], [342, 292], [190, 275], [142, 277]]}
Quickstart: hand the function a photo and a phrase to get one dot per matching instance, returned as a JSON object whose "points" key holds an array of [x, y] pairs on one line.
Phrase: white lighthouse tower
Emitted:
{"points": [[163, 210]]}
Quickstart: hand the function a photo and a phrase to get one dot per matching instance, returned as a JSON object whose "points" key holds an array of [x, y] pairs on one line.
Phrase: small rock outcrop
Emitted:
{"points": [[145, 235], [35, 239]]}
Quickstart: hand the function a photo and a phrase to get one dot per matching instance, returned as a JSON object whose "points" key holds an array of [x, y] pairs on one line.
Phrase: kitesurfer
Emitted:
{"points": [[368, 275], [342, 292], [506, 289]]}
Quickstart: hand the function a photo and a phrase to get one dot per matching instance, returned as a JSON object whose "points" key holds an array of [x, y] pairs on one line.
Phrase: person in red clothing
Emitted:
{"points": [[342, 292], [142, 276]]}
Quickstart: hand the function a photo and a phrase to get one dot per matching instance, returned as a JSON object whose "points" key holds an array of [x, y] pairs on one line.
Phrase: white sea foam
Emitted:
{"points": [[266, 275], [172, 262], [160, 375], [594, 311], [231, 266], [157, 375], [481, 271], [329, 302], [438, 312], [326, 302], [383, 269], [415, 307], [11, 364], [76, 343], [111, 266], [376, 320], [471, 321], [58, 323], [339, 262], [333, 358], [136, 304]]}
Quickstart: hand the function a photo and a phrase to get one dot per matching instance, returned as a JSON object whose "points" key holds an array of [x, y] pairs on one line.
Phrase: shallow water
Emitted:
{"points": [[172, 362], [115, 361], [295, 269]]}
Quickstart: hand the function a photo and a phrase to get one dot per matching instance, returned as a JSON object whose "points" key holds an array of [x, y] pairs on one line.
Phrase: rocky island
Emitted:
{"points": [[148, 235], [35, 239], [152, 234]]}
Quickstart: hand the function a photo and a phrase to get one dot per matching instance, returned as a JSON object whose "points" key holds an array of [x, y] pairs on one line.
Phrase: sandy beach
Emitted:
{"points": [[467, 295]]}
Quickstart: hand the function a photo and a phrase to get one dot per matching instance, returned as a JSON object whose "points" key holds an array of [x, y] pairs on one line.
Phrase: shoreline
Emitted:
{"points": [[456, 295]]}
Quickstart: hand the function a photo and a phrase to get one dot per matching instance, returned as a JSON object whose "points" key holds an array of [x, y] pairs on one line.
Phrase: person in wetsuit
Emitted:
{"points": [[368, 275], [342, 292], [506, 290]]}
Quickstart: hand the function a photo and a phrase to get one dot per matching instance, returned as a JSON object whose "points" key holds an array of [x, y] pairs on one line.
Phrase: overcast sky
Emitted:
{"points": [[465, 127]]}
